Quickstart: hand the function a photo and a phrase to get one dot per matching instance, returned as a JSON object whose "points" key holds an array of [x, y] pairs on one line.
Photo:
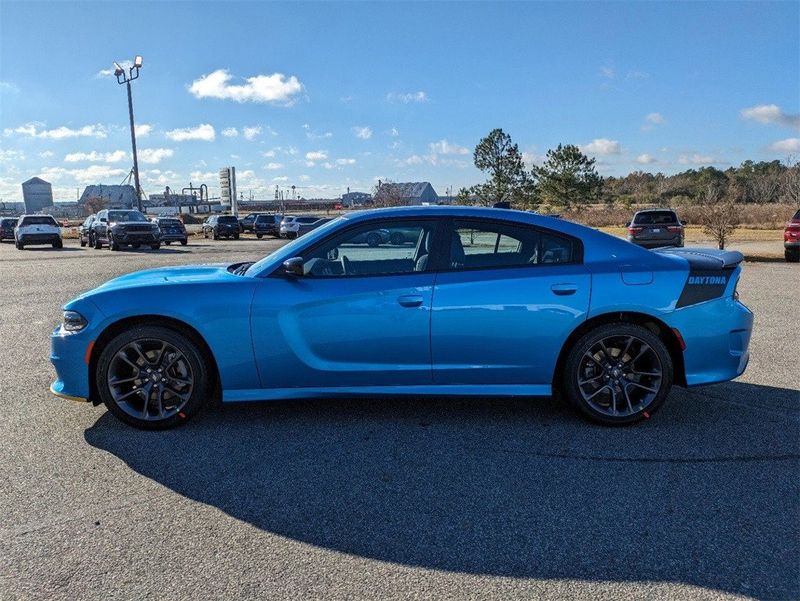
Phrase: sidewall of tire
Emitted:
{"points": [[190, 350], [570, 383]]}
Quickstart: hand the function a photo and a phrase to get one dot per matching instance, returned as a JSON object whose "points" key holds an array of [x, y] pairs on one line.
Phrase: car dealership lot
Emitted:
{"points": [[440, 498]]}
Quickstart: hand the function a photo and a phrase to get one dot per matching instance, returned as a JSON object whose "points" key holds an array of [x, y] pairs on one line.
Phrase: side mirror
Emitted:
{"points": [[683, 223], [628, 224], [294, 266]]}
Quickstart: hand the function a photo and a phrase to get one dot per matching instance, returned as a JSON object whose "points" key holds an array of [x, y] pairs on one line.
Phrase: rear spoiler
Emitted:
{"points": [[705, 259]]}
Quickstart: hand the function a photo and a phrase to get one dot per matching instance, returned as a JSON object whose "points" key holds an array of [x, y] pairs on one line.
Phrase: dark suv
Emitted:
{"points": [[172, 230], [221, 226], [654, 228], [116, 228], [85, 231], [267, 225], [7, 225], [247, 224]]}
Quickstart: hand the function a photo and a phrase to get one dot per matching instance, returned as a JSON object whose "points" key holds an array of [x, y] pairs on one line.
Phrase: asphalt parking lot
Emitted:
{"points": [[403, 499]]}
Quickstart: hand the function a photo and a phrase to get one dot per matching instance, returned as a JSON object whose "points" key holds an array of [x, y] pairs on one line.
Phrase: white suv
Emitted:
{"points": [[37, 229], [291, 224]]}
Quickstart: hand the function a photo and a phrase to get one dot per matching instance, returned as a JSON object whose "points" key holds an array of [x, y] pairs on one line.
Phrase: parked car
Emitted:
{"points": [[117, 228], [267, 225], [172, 230], [791, 239], [85, 231], [246, 224], [488, 302], [373, 238], [304, 228], [7, 225], [221, 226], [37, 229], [291, 223], [654, 228]]}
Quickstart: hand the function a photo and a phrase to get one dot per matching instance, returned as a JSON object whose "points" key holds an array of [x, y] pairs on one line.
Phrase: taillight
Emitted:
{"points": [[634, 230], [675, 229]]}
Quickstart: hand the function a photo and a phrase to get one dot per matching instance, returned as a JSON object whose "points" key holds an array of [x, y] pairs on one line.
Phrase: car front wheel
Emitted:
{"points": [[792, 255], [618, 374], [152, 377]]}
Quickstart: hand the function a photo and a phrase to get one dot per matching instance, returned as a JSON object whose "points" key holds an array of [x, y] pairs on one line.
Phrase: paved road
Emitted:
{"points": [[399, 499]]}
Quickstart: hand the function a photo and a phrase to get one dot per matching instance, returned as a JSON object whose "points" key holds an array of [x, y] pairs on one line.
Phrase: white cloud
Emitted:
{"points": [[250, 133], [654, 118], [11, 155], [602, 146], [96, 157], [46, 154], [394, 132], [230, 132], [646, 159], [787, 145], [59, 133], [8, 87], [365, 133], [407, 97], [268, 154], [199, 176], [204, 132], [445, 147], [316, 155], [273, 166], [89, 175], [771, 113], [155, 155], [281, 178], [607, 72], [275, 88], [143, 130], [698, 159], [343, 162]]}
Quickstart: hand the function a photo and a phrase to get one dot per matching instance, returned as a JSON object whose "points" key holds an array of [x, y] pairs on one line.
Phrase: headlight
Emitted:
{"points": [[74, 321]]}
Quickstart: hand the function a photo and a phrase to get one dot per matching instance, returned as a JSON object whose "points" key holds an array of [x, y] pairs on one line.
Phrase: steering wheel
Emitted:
{"points": [[345, 265]]}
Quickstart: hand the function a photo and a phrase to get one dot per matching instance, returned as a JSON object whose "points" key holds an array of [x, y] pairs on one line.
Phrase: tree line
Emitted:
{"points": [[567, 179]]}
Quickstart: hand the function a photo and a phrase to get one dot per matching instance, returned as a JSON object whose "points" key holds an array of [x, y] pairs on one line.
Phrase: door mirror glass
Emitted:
{"points": [[294, 266]]}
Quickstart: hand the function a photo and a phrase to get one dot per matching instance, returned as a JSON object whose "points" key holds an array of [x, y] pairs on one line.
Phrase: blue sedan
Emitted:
{"points": [[471, 301]]}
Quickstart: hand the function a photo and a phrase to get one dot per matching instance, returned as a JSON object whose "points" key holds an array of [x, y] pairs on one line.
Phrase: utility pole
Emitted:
{"points": [[127, 78]]}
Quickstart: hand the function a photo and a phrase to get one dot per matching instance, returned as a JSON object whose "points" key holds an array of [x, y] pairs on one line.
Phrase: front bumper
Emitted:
{"points": [[717, 335], [69, 354], [136, 237], [791, 243]]}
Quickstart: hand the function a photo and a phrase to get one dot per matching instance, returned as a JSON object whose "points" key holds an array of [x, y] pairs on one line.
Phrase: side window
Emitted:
{"points": [[382, 248], [488, 245]]}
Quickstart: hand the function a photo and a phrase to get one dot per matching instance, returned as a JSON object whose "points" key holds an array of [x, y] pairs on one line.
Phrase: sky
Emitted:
{"points": [[329, 96]]}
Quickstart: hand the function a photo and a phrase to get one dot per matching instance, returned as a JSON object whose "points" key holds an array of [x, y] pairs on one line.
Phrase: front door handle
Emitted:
{"points": [[410, 300], [563, 289]]}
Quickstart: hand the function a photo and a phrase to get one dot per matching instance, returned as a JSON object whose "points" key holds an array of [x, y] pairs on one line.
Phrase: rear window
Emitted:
{"points": [[655, 218], [169, 222], [8, 222], [39, 220], [228, 219]]}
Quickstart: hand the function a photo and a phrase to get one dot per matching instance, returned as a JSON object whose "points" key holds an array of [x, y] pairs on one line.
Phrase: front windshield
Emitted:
{"points": [[293, 248], [126, 216]]}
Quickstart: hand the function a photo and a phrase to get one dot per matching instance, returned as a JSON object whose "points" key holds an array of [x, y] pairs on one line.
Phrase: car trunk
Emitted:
{"points": [[710, 272]]}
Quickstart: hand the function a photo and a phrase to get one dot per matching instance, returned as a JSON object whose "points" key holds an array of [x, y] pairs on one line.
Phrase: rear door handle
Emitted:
{"points": [[563, 289], [410, 300]]}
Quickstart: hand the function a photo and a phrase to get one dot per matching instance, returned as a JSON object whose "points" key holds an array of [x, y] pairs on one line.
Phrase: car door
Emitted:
{"points": [[100, 226], [505, 302], [358, 317]]}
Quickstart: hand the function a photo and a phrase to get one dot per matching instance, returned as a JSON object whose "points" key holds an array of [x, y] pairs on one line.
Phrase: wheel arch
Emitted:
{"points": [[655, 325], [121, 325]]}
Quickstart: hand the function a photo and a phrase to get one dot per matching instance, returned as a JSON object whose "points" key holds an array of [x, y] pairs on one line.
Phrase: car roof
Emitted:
{"points": [[654, 210]]}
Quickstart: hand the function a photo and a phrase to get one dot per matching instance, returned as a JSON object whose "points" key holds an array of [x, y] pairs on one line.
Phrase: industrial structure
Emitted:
{"points": [[409, 193], [122, 196], [37, 194]]}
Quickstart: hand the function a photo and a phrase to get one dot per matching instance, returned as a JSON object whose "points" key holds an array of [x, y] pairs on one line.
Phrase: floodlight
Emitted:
{"points": [[118, 70], [137, 62]]}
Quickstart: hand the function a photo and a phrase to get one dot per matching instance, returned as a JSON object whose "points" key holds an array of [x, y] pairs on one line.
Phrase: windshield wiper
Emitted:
{"points": [[243, 267]]}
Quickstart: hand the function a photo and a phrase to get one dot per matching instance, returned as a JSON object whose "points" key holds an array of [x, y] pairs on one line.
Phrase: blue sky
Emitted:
{"points": [[330, 95]]}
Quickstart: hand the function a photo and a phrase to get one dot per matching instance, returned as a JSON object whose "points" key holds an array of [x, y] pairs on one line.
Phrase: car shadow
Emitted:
{"points": [[705, 493]]}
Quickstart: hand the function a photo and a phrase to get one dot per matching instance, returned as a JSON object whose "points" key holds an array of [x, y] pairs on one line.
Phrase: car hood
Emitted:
{"points": [[170, 275]]}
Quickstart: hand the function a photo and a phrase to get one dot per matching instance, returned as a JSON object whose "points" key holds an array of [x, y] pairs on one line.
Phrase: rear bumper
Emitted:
{"points": [[675, 241], [39, 238], [717, 335], [173, 237]]}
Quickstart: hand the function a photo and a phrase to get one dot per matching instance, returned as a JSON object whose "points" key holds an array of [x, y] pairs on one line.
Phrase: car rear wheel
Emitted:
{"points": [[396, 239], [792, 255], [155, 246], [19, 245], [97, 244], [152, 377], [618, 374], [184, 242], [259, 236], [373, 239], [58, 244]]}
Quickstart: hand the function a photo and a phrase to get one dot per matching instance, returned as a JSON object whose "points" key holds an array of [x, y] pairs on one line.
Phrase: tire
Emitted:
{"points": [[184, 242], [189, 368], [97, 244], [168, 242], [19, 245], [610, 388], [135, 245], [214, 235], [83, 242], [155, 246], [58, 244], [373, 239], [396, 238], [205, 234], [792, 255], [112, 243], [259, 236], [236, 236]]}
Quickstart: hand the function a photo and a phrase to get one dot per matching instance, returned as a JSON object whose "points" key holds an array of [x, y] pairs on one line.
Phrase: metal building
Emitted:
{"points": [[37, 194], [121, 196], [409, 193]]}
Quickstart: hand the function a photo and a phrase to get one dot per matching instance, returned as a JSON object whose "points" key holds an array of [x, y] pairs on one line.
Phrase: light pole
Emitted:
{"points": [[127, 78]]}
